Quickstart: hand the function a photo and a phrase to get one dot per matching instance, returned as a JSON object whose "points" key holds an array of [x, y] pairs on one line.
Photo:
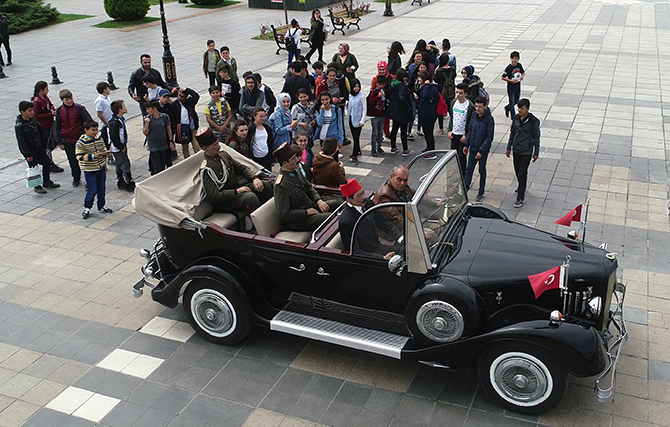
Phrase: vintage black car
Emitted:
{"points": [[457, 293]]}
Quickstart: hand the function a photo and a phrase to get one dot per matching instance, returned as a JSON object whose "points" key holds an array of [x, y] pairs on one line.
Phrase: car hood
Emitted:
{"points": [[498, 254]]}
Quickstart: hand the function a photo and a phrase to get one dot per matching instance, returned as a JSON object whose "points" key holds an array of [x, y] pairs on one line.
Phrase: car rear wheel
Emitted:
{"points": [[522, 378], [216, 312]]}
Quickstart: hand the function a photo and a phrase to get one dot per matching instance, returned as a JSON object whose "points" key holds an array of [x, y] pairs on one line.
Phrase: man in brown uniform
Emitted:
{"points": [[219, 173], [297, 203]]}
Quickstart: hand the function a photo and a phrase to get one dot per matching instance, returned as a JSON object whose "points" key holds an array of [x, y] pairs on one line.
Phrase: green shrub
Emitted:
{"points": [[126, 10], [26, 15], [207, 2]]}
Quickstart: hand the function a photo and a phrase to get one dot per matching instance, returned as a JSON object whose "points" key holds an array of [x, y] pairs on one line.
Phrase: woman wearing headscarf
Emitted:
{"points": [[473, 81], [399, 110], [357, 112], [317, 37], [281, 122], [345, 62]]}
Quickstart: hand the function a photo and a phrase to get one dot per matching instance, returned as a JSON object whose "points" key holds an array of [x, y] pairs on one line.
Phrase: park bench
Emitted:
{"points": [[343, 18], [280, 32], [418, 1]]}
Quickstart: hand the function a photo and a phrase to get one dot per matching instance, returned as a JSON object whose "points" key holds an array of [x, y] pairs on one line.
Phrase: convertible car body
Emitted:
{"points": [[457, 293]]}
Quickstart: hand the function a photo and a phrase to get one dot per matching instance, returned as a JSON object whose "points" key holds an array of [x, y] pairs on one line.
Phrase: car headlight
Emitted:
{"points": [[595, 306]]}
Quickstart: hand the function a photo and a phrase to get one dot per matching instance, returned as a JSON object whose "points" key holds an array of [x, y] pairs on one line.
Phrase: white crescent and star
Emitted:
{"points": [[550, 280]]}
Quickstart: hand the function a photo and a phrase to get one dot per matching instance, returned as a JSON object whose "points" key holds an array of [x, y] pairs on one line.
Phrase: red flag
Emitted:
{"points": [[573, 215], [550, 279]]}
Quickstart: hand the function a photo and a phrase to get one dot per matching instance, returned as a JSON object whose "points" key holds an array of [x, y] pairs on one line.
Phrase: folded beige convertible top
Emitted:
{"points": [[173, 195]]}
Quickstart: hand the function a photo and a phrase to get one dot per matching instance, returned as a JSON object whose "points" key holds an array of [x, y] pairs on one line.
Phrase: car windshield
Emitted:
{"points": [[439, 199]]}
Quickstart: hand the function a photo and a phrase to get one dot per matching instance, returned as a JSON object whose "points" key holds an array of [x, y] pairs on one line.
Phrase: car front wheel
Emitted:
{"points": [[216, 312], [522, 378]]}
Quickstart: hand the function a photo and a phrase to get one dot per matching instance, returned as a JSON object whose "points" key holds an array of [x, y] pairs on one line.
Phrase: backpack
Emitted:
{"points": [[442, 109], [449, 87], [290, 43], [484, 93]]}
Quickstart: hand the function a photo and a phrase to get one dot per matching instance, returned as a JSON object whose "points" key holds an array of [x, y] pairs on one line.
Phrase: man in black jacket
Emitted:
{"points": [[367, 241], [32, 144], [4, 39], [136, 88], [184, 119], [524, 139], [294, 82]]}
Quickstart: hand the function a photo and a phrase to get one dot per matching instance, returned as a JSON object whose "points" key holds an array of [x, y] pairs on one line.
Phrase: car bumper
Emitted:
{"points": [[614, 337]]}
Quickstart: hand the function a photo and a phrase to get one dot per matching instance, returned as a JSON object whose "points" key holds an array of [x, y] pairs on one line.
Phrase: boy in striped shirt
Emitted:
{"points": [[91, 153]]}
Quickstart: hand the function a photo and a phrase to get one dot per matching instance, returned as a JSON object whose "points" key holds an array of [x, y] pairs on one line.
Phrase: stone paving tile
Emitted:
{"points": [[600, 138]]}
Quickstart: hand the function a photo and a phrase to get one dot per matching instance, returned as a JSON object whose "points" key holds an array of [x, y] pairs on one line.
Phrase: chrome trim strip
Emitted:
{"points": [[616, 318], [326, 222], [333, 332]]}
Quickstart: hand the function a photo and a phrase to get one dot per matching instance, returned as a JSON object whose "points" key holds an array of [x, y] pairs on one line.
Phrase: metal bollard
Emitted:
{"points": [[110, 81], [54, 74]]}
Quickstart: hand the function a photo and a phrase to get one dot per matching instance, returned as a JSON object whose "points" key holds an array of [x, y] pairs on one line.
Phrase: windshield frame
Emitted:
{"points": [[426, 182]]}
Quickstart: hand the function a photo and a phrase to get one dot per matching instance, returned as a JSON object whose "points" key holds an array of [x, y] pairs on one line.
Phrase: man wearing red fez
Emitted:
{"points": [[367, 241]]}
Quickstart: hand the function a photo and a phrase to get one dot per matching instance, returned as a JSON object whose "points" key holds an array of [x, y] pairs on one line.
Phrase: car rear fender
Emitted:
{"points": [[579, 349], [222, 271]]}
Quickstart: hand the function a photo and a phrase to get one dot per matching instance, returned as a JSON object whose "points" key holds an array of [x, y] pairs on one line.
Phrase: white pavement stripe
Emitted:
{"points": [[130, 363], [83, 404], [168, 328]]}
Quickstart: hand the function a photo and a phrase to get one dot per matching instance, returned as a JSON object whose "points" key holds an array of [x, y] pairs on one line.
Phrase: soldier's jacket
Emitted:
{"points": [[221, 176], [293, 196]]}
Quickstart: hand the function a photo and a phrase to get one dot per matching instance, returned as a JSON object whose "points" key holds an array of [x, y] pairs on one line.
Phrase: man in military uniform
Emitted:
{"points": [[219, 173], [298, 204]]}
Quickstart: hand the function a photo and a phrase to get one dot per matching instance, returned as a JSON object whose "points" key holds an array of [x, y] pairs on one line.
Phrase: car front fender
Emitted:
{"points": [[580, 349]]}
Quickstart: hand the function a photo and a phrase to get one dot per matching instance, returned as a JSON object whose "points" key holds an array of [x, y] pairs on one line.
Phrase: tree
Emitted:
{"points": [[26, 15], [126, 10]]}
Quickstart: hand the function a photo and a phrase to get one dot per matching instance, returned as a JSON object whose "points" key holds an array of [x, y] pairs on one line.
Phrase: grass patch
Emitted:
{"points": [[67, 17], [266, 36], [155, 2], [123, 24], [213, 6]]}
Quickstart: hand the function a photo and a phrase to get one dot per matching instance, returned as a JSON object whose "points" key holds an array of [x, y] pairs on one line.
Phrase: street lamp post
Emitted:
{"points": [[169, 67], [388, 11]]}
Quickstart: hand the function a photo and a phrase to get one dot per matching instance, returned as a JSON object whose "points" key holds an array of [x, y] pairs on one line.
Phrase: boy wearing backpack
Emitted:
{"points": [[513, 75], [292, 41], [118, 136], [445, 77], [376, 109], [70, 119]]}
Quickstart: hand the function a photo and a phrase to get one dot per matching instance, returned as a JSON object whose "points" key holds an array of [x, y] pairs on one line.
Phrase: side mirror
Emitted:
{"points": [[396, 264]]}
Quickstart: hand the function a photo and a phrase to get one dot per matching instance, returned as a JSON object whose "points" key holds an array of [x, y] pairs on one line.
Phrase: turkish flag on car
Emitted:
{"points": [[573, 215], [550, 279]]}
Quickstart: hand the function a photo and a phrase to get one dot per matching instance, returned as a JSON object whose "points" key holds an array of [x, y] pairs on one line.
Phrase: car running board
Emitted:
{"points": [[338, 333]]}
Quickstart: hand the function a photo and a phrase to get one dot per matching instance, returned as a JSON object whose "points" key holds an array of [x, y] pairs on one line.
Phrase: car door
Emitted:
{"points": [[361, 281], [280, 268]]}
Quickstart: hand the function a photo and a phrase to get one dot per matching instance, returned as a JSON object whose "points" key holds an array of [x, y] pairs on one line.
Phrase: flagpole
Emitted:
{"points": [[565, 268], [586, 213]]}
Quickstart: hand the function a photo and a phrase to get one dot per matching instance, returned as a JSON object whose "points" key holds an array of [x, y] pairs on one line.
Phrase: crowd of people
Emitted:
{"points": [[312, 108]]}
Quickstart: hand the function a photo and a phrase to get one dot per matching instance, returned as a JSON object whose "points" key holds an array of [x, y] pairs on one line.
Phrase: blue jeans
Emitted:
{"points": [[95, 182], [291, 55], [471, 169], [513, 94]]}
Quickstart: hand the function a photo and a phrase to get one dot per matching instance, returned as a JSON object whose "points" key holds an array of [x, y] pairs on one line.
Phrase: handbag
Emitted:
{"points": [[34, 176]]}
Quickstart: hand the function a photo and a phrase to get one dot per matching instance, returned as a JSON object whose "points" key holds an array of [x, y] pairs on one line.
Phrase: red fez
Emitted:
{"points": [[350, 188]]}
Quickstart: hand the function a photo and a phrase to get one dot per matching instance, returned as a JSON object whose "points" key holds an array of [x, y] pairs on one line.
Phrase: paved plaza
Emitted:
{"points": [[76, 349]]}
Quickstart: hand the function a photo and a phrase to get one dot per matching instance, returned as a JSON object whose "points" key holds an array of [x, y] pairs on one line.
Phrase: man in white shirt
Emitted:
{"points": [[459, 122]]}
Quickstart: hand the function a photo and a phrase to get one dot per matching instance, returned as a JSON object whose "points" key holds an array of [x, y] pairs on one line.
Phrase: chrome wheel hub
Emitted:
{"points": [[521, 379], [213, 312], [440, 321]]}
